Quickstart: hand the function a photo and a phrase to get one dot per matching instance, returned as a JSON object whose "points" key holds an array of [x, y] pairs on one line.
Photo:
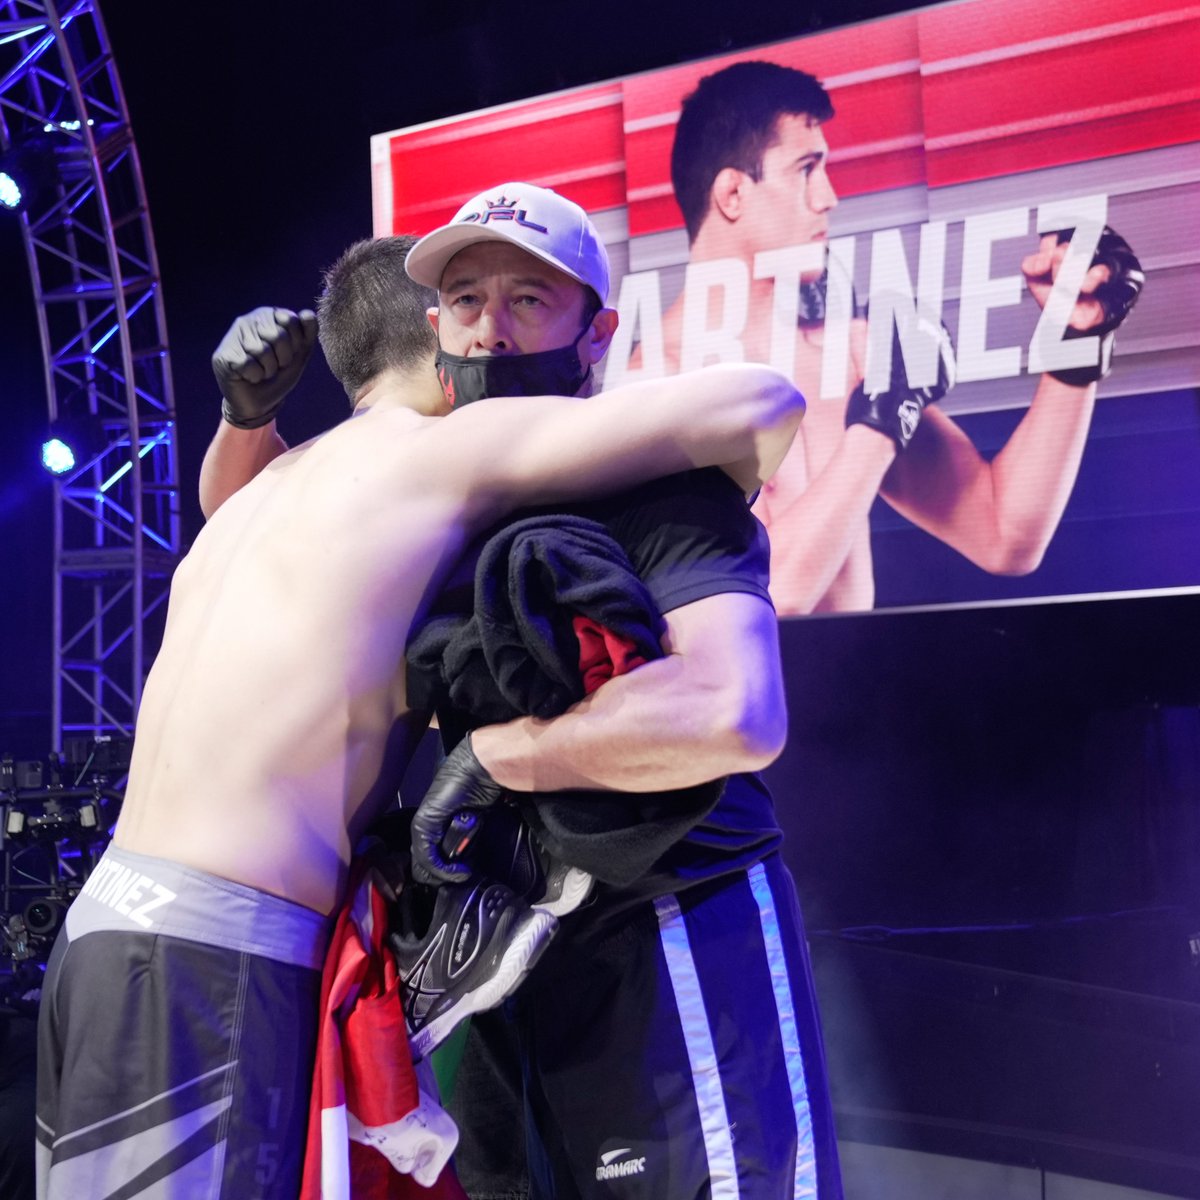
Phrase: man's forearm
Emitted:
{"points": [[641, 732], [1035, 473], [233, 458], [713, 707]]}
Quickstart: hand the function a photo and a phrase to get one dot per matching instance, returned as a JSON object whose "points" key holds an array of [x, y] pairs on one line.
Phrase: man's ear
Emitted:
{"points": [[728, 192], [432, 315], [600, 334]]}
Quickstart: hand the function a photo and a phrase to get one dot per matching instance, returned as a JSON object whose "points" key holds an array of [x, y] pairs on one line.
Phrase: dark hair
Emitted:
{"points": [[592, 304], [371, 315], [730, 121]]}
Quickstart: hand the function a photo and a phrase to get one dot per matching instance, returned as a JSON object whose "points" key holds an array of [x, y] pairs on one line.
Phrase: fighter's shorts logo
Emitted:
{"points": [[127, 892], [505, 210]]}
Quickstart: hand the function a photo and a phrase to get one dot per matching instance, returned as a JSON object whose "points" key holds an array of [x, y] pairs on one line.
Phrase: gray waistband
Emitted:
{"points": [[140, 894]]}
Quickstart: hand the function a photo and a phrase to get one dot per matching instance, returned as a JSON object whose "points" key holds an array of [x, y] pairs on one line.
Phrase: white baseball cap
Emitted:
{"points": [[547, 225]]}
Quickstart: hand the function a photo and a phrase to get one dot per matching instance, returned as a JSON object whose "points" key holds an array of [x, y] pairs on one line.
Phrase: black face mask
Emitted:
{"points": [[546, 373]]}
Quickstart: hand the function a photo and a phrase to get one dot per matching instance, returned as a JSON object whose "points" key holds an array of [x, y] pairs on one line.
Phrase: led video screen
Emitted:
{"points": [[909, 237]]}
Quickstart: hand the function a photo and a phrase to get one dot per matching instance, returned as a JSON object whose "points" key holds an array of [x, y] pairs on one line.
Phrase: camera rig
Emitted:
{"points": [[56, 817]]}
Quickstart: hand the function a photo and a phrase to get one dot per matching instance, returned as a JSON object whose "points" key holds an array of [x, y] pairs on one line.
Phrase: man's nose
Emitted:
{"points": [[821, 196], [492, 334]]}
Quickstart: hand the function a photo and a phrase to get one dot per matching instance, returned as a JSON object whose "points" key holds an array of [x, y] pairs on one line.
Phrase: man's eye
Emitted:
{"points": [[529, 301], [466, 298]]}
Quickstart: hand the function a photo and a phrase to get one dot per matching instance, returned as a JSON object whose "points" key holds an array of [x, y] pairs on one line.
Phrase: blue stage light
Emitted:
{"points": [[57, 457], [11, 195], [28, 171], [74, 440]]}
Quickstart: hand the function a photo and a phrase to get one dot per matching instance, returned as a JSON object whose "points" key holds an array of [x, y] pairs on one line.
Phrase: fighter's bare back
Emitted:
{"points": [[276, 701]]}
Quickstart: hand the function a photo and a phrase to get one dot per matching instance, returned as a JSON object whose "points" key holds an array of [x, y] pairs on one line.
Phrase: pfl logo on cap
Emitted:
{"points": [[503, 210]]}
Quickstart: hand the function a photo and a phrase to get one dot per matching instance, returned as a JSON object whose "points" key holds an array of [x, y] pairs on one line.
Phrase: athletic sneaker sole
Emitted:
{"points": [[525, 947], [575, 887]]}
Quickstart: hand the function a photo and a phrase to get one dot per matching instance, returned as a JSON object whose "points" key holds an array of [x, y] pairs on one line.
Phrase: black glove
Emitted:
{"points": [[461, 782], [813, 305], [897, 409], [260, 359], [1116, 295], [811, 309]]}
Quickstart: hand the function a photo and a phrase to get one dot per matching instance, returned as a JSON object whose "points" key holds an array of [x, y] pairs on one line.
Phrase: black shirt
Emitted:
{"points": [[689, 536]]}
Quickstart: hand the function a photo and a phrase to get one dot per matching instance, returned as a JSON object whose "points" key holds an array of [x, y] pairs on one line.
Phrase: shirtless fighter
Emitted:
{"points": [[180, 1004]]}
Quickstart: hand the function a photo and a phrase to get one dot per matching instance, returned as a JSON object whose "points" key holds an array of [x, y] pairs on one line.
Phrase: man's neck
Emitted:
{"points": [[416, 390], [718, 238]]}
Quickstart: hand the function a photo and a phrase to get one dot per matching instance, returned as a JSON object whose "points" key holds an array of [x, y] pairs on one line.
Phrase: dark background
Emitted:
{"points": [[993, 814]]}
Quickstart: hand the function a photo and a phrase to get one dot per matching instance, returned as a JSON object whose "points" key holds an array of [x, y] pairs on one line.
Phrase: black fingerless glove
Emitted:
{"points": [[897, 409], [1117, 295]]}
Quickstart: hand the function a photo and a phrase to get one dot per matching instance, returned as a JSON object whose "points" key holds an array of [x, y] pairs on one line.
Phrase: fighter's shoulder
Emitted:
{"points": [[372, 440], [399, 452]]}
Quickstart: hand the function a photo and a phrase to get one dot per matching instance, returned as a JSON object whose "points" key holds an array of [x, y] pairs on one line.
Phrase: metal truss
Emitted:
{"points": [[104, 341]]}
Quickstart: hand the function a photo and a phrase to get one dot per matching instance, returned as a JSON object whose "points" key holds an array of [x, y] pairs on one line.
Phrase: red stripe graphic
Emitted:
{"points": [[943, 96]]}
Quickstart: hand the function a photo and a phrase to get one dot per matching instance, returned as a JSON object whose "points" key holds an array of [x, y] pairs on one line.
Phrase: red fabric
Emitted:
{"points": [[363, 1059], [602, 653]]}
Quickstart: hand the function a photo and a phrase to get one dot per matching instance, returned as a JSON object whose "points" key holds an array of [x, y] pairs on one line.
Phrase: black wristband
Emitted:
{"points": [[897, 416], [244, 422], [1082, 376]]}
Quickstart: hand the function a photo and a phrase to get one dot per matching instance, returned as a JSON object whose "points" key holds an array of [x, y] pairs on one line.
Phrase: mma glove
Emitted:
{"points": [[813, 303], [461, 782], [260, 359], [813, 306], [896, 410], [1116, 295]]}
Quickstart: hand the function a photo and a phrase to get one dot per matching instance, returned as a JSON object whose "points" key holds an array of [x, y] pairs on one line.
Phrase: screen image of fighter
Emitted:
{"points": [[927, 225]]}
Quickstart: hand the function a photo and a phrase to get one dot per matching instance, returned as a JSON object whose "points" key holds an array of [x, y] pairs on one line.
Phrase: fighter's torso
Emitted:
{"points": [[275, 708], [852, 588]]}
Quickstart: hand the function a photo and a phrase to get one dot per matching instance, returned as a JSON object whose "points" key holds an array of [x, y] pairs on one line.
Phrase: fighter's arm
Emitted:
{"points": [[1002, 514], [259, 360], [531, 450], [233, 458], [714, 705], [815, 514], [815, 505]]}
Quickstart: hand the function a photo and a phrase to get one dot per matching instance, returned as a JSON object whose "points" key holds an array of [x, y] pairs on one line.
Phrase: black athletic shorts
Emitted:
{"points": [[176, 1038], [676, 1055]]}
